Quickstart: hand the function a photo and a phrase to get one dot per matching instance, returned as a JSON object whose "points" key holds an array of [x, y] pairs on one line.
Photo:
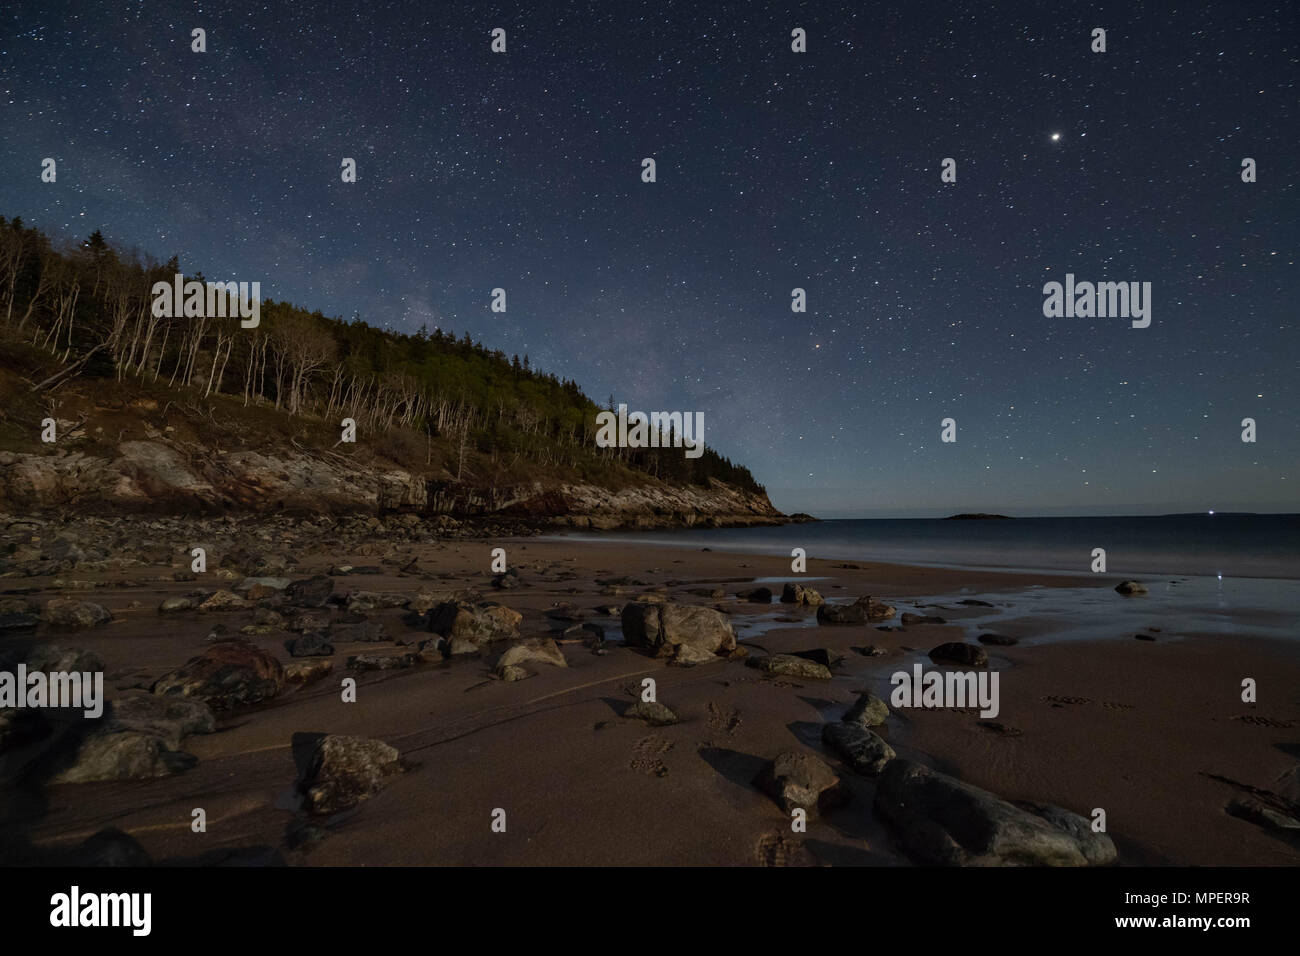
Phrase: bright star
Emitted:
{"points": [[1055, 137]]}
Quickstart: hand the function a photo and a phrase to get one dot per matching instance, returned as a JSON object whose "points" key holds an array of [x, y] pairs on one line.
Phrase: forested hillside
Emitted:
{"points": [[80, 314]]}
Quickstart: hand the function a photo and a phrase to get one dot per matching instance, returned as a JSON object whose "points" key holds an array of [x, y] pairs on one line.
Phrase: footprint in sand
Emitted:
{"points": [[781, 849], [1058, 701], [1115, 705], [999, 728], [647, 751], [724, 719]]}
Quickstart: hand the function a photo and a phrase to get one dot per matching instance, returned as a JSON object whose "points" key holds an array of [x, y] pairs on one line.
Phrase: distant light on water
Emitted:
{"points": [[1211, 512]]}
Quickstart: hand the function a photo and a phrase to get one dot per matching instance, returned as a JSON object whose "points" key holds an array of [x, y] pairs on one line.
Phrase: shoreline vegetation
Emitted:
{"points": [[104, 404]]}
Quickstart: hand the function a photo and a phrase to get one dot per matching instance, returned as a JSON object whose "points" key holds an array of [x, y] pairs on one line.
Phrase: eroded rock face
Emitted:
{"points": [[940, 820], [345, 770], [663, 626], [227, 675]]}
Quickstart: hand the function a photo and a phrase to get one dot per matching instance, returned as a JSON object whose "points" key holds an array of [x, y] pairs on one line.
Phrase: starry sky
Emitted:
{"points": [[775, 170]]}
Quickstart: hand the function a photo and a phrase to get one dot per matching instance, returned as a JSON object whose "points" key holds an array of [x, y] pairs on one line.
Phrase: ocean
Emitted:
{"points": [[1230, 545]]}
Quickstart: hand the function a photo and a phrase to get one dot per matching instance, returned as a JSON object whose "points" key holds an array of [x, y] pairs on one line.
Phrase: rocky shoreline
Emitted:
{"points": [[344, 691]]}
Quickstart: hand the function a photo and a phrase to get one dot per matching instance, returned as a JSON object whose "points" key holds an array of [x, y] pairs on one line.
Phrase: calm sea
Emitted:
{"points": [[1232, 545]]}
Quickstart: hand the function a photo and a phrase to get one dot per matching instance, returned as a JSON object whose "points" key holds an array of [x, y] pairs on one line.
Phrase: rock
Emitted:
{"points": [[910, 618], [713, 594], [841, 614], [1144, 637], [224, 600], [53, 657], [304, 672], [366, 632], [381, 662], [476, 623], [1000, 640], [65, 612], [344, 770], [652, 712], [15, 623], [822, 655], [787, 665], [176, 604], [513, 672], [374, 600], [1131, 587], [311, 644], [310, 592], [867, 711], [861, 749], [798, 594], [1261, 814], [1287, 786], [663, 626], [172, 719], [122, 755], [228, 674], [756, 595], [972, 602], [801, 780], [957, 652], [506, 580], [537, 651], [942, 821], [688, 655], [876, 610], [266, 584]]}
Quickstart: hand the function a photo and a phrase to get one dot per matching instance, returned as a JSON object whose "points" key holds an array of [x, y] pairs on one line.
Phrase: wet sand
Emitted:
{"points": [[1130, 726]]}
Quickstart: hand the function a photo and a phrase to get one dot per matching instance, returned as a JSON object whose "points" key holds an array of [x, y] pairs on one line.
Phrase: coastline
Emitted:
{"points": [[1130, 726]]}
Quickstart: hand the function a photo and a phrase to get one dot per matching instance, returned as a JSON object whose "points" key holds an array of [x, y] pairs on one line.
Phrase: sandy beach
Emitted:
{"points": [[1153, 731]]}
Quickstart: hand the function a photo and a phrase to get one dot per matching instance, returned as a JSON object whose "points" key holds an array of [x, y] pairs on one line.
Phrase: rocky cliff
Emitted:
{"points": [[167, 477]]}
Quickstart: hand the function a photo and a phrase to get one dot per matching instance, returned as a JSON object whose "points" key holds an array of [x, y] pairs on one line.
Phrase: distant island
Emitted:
{"points": [[969, 515]]}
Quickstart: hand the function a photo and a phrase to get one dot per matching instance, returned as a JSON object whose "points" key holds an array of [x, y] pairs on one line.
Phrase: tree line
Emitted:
{"points": [[90, 305]]}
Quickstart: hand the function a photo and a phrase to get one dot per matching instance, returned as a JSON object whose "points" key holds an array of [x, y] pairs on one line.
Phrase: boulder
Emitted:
{"points": [[228, 674], [664, 626], [381, 662], [122, 755], [540, 650], [343, 771], [861, 749], [796, 779], [310, 592], [477, 623], [172, 719], [756, 595], [998, 640], [176, 604], [224, 600], [867, 711], [69, 613], [304, 672], [1131, 587], [311, 644], [798, 594], [957, 652], [787, 665], [942, 821]]}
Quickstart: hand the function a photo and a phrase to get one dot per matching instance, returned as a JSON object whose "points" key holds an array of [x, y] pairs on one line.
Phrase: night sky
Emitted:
{"points": [[775, 170]]}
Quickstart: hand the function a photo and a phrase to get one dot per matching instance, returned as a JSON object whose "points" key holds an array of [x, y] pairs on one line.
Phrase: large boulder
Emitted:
{"points": [[942, 821], [122, 755], [476, 623], [228, 674], [663, 626], [861, 611], [342, 771]]}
